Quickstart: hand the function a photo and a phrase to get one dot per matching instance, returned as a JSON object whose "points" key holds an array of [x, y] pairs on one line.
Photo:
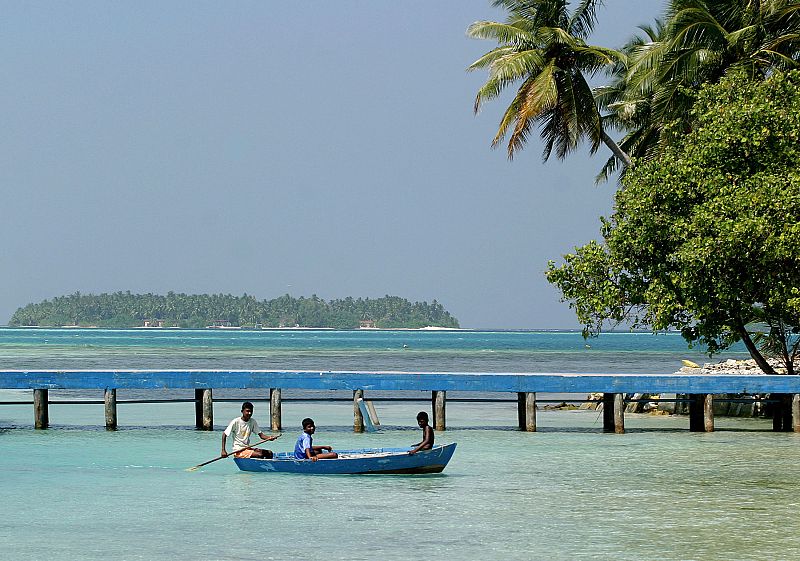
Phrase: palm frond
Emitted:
{"points": [[489, 58], [517, 65], [591, 59], [696, 26], [503, 33], [537, 96], [508, 69], [509, 116], [490, 90], [584, 18], [778, 59]]}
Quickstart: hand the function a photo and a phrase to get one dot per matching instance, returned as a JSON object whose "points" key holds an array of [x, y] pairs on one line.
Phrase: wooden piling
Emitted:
{"points": [[208, 410], [695, 413], [526, 411], [275, 409], [708, 412], [777, 413], [796, 412], [782, 418], [110, 399], [701, 412], [41, 417], [438, 405], [198, 409], [358, 418], [614, 413]]}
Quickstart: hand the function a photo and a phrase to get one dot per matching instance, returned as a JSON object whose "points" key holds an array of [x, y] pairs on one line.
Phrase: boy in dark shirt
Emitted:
{"points": [[427, 434]]}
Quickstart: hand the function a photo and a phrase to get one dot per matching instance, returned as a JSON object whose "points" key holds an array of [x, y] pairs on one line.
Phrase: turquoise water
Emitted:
{"points": [[467, 351], [78, 492], [567, 492]]}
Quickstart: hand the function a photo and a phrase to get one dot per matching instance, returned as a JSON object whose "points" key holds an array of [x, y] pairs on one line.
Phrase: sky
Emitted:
{"points": [[274, 148]]}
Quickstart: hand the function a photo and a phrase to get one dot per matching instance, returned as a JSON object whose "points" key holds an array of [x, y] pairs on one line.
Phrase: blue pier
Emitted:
{"points": [[390, 381], [701, 388]]}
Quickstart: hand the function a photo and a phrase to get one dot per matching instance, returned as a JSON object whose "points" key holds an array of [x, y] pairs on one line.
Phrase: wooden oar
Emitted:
{"points": [[198, 466]]}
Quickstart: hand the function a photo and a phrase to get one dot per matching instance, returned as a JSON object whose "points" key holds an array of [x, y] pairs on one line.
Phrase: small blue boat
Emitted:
{"points": [[365, 460]]}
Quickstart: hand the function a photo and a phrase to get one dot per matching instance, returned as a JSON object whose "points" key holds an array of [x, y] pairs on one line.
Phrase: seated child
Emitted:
{"points": [[305, 450], [427, 434]]}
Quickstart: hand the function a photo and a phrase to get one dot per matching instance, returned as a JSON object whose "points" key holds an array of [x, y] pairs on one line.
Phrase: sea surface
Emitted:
{"points": [[306, 349], [568, 491]]}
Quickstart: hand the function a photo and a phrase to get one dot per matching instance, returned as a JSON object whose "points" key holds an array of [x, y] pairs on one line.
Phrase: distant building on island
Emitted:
{"points": [[367, 324], [153, 323]]}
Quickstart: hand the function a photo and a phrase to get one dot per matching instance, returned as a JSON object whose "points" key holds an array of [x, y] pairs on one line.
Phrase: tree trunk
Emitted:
{"points": [[618, 152], [752, 349], [788, 357]]}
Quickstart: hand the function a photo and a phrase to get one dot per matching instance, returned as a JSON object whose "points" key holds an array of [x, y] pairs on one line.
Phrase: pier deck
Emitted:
{"points": [[391, 381], [701, 388]]}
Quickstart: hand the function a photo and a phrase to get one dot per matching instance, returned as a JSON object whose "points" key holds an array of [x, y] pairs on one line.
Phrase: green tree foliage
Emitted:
{"points": [[123, 309], [707, 238]]}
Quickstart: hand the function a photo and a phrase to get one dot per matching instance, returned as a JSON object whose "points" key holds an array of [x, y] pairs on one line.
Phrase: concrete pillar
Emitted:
{"points": [[41, 417], [526, 411], [613, 413], [110, 398], [275, 409], [796, 412], [438, 405], [358, 418]]}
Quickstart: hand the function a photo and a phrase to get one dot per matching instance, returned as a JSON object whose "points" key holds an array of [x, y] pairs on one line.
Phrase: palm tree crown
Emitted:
{"points": [[654, 78], [542, 45], [652, 91]]}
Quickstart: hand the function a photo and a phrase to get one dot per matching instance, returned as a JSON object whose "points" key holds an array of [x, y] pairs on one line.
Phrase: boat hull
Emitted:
{"points": [[363, 461]]}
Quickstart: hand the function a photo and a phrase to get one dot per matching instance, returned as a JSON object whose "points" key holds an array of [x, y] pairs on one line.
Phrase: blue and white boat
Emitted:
{"points": [[365, 460]]}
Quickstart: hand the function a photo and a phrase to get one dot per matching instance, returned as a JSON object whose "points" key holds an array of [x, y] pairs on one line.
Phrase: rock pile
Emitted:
{"points": [[734, 367]]}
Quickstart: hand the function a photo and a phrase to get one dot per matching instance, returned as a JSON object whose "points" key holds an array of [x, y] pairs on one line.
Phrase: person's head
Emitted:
{"points": [[422, 418], [247, 410], [308, 425]]}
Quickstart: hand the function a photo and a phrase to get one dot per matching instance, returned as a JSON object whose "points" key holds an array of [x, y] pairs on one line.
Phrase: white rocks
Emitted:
{"points": [[733, 367]]}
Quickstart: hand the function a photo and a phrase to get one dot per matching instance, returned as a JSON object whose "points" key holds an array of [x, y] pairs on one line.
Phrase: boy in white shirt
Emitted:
{"points": [[241, 428]]}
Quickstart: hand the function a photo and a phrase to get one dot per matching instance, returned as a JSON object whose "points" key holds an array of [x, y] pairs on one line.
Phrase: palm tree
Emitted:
{"points": [[543, 46], [651, 95], [629, 109]]}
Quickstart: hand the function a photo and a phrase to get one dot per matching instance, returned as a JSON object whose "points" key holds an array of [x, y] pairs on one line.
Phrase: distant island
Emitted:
{"points": [[123, 309]]}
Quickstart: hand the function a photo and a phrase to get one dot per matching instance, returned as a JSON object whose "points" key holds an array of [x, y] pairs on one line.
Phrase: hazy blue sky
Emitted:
{"points": [[306, 148]]}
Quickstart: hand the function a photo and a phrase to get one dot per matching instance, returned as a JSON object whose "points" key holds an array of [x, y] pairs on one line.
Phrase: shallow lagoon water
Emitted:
{"points": [[79, 492]]}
